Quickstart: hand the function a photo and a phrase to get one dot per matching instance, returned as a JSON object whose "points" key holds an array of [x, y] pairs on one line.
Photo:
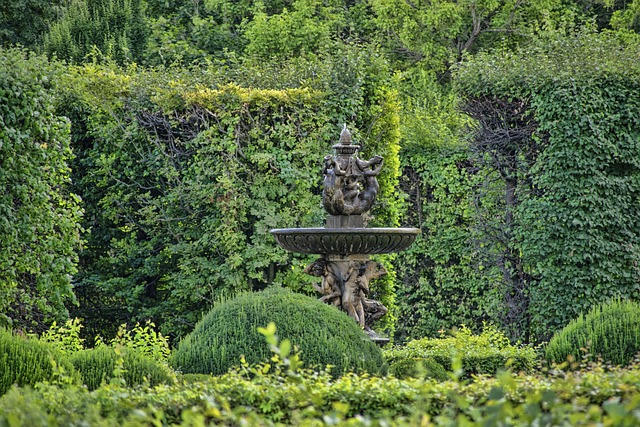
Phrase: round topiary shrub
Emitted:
{"points": [[418, 367], [610, 331], [27, 361], [98, 365], [324, 335]]}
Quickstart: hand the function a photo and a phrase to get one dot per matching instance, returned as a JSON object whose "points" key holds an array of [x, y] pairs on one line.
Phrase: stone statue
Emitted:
{"points": [[330, 287], [350, 183], [345, 284], [373, 309]]}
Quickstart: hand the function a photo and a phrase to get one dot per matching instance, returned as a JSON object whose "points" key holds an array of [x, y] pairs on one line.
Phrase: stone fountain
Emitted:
{"points": [[349, 189]]}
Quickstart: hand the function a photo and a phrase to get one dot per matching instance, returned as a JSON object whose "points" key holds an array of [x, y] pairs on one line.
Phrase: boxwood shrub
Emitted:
{"points": [[415, 367], [98, 365], [323, 334], [610, 331], [27, 361], [480, 354]]}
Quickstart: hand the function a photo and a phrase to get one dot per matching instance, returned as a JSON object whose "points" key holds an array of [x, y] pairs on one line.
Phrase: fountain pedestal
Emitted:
{"points": [[350, 188]]}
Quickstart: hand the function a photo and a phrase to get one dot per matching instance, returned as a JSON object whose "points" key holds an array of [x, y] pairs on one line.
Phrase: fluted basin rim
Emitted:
{"points": [[363, 230], [345, 241]]}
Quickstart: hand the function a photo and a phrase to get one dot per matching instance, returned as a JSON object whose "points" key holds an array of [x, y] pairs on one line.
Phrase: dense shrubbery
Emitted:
{"points": [[610, 331], [101, 364], [486, 353], [25, 362], [39, 218], [324, 335], [262, 397]]}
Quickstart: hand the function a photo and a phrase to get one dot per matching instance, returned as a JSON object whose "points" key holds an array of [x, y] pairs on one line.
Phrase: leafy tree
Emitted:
{"points": [[436, 34], [24, 21], [39, 217], [306, 29]]}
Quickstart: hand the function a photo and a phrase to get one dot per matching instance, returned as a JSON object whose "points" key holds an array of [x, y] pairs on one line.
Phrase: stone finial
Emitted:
{"points": [[345, 136]]}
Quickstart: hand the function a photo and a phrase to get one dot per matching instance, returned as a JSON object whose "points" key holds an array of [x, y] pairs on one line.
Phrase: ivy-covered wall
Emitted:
{"points": [[39, 217], [577, 228], [183, 175]]}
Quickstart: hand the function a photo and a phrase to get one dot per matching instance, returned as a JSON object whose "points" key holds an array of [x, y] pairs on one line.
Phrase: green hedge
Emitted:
{"points": [[486, 353], [609, 331], [574, 399], [39, 218], [324, 335], [575, 217], [27, 361], [101, 364]]}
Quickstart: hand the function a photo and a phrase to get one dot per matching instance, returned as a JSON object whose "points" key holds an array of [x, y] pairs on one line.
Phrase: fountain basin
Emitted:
{"points": [[345, 241]]}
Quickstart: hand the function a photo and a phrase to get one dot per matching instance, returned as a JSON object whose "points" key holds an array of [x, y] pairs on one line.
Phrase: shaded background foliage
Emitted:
{"points": [[195, 124]]}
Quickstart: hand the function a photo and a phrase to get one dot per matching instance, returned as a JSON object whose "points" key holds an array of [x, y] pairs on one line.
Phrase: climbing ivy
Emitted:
{"points": [[39, 217], [578, 230], [184, 174]]}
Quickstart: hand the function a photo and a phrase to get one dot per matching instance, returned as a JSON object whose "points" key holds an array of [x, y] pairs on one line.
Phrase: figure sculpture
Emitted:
{"points": [[350, 183], [345, 284], [330, 287]]}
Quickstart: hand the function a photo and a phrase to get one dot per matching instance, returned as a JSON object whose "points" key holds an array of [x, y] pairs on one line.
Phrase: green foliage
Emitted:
{"points": [[595, 397], [441, 286], [305, 29], [65, 337], [144, 340], [575, 231], [477, 354], [609, 331], [443, 281], [103, 364], [27, 361], [96, 365], [324, 335], [183, 175], [436, 34], [24, 21], [418, 367], [116, 29], [39, 217]]}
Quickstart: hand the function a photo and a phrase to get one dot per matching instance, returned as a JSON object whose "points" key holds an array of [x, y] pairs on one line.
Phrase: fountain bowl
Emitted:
{"points": [[345, 241]]}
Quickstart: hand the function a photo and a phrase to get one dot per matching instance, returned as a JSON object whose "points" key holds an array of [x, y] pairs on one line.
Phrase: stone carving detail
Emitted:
{"points": [[345, 284], [363, 241], [350, 185]]}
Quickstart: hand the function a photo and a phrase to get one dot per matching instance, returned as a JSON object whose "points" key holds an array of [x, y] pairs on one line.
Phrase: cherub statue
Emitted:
{"points": [[372, 309], [330, 287]]}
